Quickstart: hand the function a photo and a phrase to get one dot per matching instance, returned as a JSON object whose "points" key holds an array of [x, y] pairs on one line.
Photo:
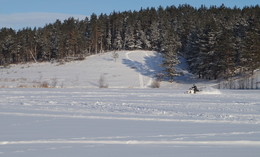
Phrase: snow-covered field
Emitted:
{"points": [[126, 119], [128, 122]]}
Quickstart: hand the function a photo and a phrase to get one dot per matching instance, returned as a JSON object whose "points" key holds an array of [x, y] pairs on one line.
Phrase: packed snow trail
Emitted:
{"points": [[139, 64]]}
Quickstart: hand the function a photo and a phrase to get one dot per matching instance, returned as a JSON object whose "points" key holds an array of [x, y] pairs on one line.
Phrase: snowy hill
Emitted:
{"points": [[132, 69]]}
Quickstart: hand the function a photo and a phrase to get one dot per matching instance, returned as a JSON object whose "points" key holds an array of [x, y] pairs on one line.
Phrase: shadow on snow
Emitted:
{"points": [[150, 67]]}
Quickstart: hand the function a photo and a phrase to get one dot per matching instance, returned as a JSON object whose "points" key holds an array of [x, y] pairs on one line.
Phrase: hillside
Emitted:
{"points": [[132, 69]]}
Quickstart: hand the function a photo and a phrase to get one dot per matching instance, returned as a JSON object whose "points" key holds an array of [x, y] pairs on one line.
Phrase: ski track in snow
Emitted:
{"points": [[142, 67], [125, 118], [134, 105], [239, 143], [140, 76], [145, 105]]}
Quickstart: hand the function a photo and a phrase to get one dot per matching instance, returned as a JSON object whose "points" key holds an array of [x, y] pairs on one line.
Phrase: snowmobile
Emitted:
{"points": [[193, 90]]}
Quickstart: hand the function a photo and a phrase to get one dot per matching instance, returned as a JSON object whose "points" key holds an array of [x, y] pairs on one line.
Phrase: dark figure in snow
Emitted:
{"points": [[195, 89]]}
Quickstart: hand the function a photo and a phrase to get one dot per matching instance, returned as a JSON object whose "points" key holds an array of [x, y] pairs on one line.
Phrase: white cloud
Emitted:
{"points": [[22, 20]]}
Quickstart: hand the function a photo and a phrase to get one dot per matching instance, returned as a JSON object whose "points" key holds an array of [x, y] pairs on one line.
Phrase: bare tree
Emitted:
{"points": [[155, 84], [102, 82], [115, 55]]}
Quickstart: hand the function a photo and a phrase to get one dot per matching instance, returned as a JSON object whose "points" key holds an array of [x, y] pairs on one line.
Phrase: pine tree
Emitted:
{"points": [[54, 41], [191, 50], [108, 38], [94, 33], [170, 48], [138, 33], [41, 47], [169, 63], [251, 56], [129, 38], [207, 51], [7, 49], [117, 45]]}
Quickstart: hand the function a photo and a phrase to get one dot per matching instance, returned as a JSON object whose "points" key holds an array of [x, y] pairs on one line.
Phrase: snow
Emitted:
{"points": [[128, 122], [126, 119], [133, 69]]}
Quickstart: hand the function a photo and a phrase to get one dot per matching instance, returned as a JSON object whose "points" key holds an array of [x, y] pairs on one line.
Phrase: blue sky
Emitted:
{"points": [[21, 13]]}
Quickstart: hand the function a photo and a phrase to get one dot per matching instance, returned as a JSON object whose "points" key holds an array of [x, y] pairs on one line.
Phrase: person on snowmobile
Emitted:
{"points": [[195, 88]]}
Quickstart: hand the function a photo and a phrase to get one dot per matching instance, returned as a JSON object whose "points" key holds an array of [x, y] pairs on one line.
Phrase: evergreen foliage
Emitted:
{"points": [[218, 42]]}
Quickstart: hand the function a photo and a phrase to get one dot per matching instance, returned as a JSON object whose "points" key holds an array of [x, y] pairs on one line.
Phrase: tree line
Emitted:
{"points": [[218, 42]]}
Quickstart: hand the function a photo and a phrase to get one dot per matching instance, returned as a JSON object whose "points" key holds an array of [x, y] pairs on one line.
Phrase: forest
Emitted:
{"points": [[217, 42]]}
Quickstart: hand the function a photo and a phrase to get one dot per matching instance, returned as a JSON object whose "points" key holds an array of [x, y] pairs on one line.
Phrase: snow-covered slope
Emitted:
{"points": [[133, 69]]}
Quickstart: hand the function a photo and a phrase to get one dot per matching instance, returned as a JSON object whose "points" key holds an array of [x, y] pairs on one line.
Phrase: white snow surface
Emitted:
{"points": [[133, 69], [128, 118]]}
